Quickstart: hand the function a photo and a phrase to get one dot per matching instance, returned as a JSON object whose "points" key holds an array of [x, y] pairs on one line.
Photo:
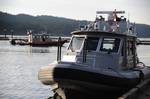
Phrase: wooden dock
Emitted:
{"points": [[141, 91]]}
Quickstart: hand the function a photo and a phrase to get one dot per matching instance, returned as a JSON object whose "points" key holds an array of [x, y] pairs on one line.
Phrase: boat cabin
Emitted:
{"points": [[104, 43], [102, 50], [39, 38]]}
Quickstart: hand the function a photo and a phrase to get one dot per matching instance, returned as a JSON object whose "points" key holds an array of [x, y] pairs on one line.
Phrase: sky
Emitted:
{"points": [[136, 10]]}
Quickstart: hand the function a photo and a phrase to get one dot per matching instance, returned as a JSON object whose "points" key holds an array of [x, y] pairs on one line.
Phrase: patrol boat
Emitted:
{"points": [[101, 57]]}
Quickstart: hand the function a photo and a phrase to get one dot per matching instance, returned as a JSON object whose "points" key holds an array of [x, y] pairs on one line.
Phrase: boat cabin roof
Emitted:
{"points": [[99, 33]]}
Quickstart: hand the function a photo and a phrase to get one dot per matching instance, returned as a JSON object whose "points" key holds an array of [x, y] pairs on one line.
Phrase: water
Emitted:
{"points": [[19, 66], [144, 54]]}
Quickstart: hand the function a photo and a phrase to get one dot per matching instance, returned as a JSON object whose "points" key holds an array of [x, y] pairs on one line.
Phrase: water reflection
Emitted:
{"points": [[39, 50]]}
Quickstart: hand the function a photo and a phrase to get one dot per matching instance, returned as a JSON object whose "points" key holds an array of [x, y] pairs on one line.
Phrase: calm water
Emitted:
{"points": [[19, 67]]}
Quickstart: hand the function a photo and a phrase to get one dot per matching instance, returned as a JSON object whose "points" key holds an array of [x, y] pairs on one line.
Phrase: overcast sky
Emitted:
{"points": [[137, 10]]}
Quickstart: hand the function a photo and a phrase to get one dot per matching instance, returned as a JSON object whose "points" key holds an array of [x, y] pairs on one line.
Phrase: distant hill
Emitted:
{"points": [[143, 30], [20, 23]]}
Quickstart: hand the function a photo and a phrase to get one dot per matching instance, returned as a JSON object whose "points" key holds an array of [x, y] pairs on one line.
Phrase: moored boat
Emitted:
{"points": [[38, 40], [101, 57], [44, 40]]}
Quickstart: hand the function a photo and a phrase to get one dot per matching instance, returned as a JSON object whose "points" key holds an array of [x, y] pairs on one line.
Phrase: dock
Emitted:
{"points": [[4, 38], [141, 91], [144, 42]]}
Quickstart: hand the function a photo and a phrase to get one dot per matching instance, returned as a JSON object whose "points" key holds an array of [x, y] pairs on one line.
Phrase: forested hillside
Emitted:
{"points": [[19, 24]]}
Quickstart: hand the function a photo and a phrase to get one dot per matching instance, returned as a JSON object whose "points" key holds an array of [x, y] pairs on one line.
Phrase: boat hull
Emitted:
{"points": [[85, 80], [37, 43], [51, 43], [91, 80]]}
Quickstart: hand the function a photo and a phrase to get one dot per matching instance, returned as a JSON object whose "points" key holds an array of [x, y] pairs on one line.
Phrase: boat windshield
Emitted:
{"points": [[76, 43], [92, 43], [110, 44]]}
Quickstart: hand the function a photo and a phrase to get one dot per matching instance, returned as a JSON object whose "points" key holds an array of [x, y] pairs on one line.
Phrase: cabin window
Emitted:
{"points": [[76, 43], [92, 43], [130, 48], [33, 37], [110, 44], [47, 37]]}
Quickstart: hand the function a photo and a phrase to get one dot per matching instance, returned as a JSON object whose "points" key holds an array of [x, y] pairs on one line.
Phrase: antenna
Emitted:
{"points": [[128, 17]]}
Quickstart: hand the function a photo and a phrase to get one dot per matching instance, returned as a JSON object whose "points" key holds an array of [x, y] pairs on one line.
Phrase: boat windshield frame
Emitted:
{"points": [[81, 44]]}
